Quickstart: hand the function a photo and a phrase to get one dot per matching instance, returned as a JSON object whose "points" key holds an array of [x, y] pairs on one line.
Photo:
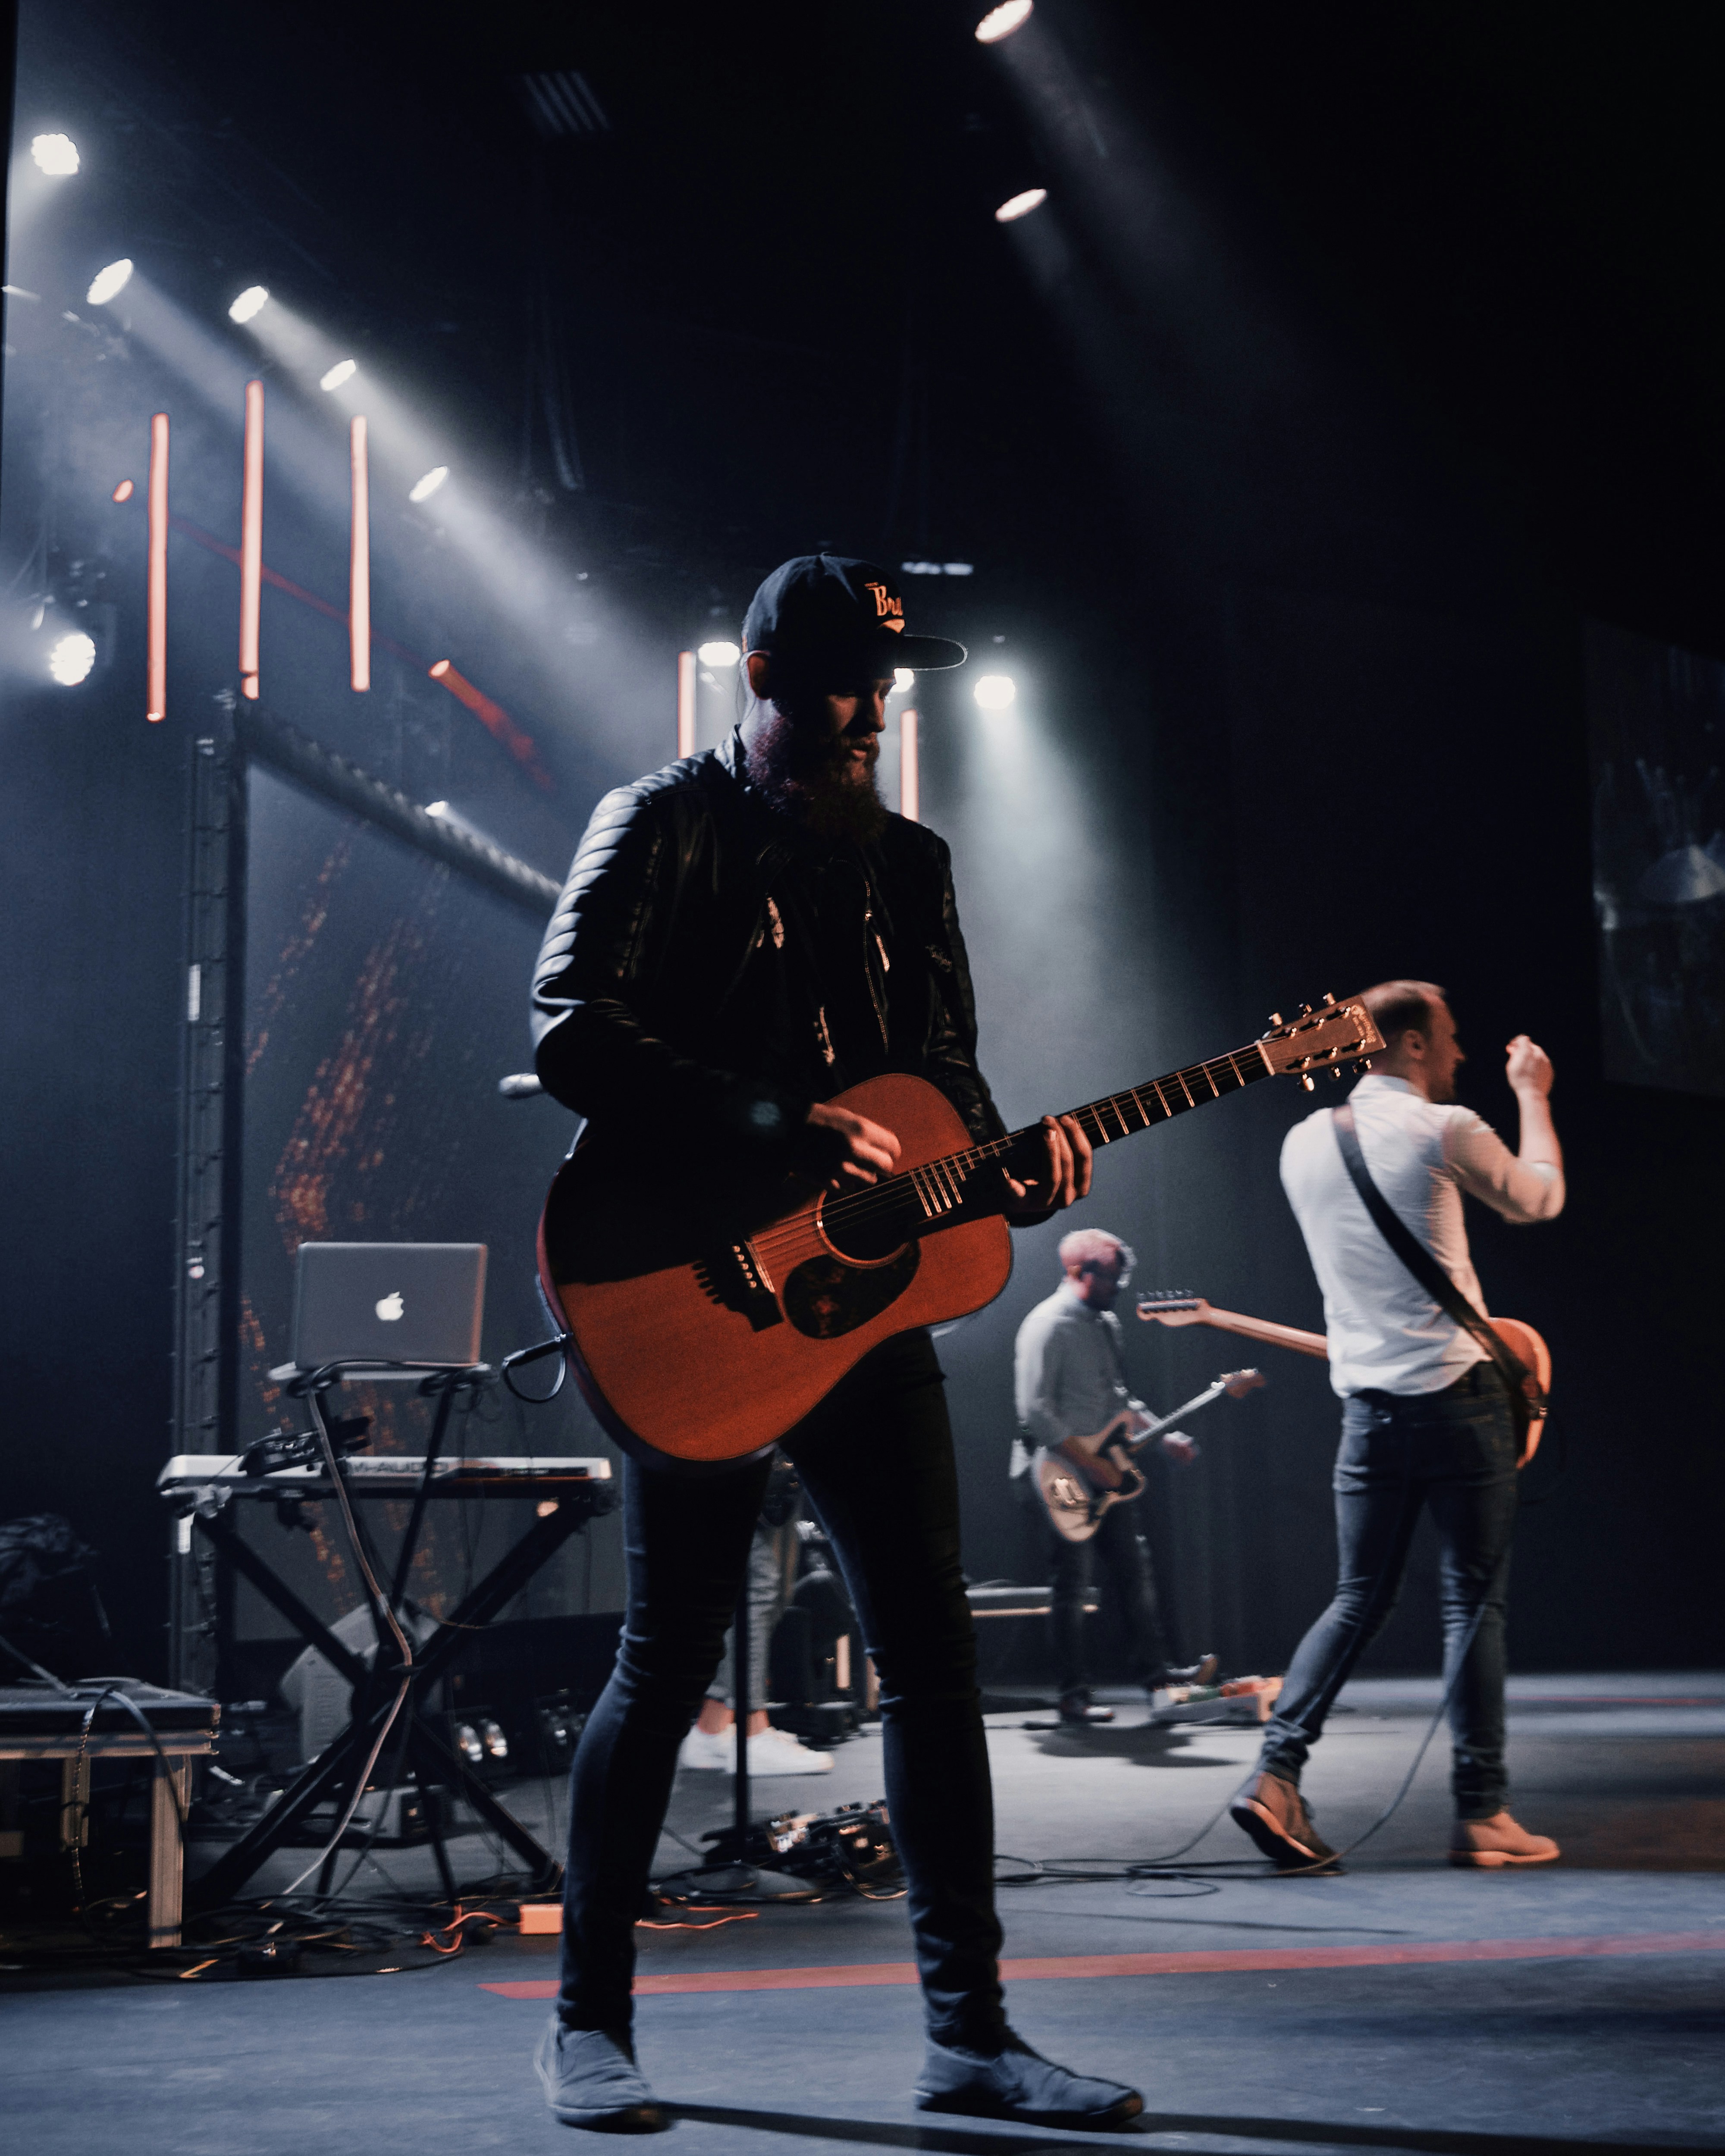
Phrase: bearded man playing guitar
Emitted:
{"points": [[743, 936], [1427, 1416]]}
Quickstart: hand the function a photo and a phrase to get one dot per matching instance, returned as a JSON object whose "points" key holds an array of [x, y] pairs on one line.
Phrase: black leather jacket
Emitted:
{"points": [[675, 1000]]}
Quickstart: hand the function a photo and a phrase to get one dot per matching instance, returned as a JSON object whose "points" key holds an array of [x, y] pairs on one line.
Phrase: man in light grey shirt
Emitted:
{"points": [[1068, 1381], [1426, 1417]]}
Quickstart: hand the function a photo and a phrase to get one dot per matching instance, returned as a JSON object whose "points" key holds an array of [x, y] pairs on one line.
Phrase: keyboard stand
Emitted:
{"points": [[430, 1759]]}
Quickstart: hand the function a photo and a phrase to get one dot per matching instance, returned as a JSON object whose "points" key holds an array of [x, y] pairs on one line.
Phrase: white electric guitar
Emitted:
{"points": [[1080, 1478]]}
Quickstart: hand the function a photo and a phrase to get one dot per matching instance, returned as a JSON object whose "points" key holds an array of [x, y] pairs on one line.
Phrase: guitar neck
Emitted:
{"points": [[940, 1186], [1271, 1334], [1160, 1100]]}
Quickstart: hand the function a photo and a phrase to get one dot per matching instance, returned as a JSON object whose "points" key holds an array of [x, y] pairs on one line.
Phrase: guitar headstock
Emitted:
{"points": [[1173, 1306], [1239, 1382], [1323, 1039]]}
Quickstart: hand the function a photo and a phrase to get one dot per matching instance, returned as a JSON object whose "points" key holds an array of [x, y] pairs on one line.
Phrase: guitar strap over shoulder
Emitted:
{"points": [[1525, 1394]]}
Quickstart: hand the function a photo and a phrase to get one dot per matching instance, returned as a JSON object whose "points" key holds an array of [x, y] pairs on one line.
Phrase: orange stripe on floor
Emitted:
{"points": [[1219, 1961]]}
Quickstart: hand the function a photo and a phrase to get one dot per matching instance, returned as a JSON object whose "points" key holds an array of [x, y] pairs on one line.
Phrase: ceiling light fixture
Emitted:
{"points": [[71, 657], [56, 155], [1020, 205], [110, 283], [422, 490], [252, 300], [1002, 21], [720, 653], [995, 692], [344, 370]]}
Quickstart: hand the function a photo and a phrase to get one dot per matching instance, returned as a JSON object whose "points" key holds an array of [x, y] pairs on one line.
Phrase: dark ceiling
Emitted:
{"points": [[780, 300]]}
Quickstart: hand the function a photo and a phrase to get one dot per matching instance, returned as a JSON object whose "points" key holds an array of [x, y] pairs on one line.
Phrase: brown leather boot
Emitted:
{"points": [[1274, 1814], [1488, 1844]]}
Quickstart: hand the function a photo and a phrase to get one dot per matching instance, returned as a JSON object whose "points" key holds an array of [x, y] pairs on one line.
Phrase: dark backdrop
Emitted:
{"points": [[1289, 528]]}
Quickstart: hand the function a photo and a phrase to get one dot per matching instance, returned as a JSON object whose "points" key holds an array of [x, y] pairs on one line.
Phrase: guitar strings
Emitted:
{"points": [[855, 1207]]}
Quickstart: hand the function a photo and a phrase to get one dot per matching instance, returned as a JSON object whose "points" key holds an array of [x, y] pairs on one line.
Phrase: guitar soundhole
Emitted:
{"points": [[824, 1298], [872, 1225]]}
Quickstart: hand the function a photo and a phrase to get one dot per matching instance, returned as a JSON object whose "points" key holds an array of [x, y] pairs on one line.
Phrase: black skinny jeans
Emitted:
{"points": [[876, 1459], [1455, 1450], [1118, 1550]]}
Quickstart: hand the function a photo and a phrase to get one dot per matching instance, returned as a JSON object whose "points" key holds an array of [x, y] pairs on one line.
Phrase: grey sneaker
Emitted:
{"points": [[590, 2079], [1016, 2082]]}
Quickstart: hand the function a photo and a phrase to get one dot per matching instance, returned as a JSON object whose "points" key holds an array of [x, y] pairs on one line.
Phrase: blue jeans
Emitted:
{"points": [[1455, 1450], [875, 1460]]}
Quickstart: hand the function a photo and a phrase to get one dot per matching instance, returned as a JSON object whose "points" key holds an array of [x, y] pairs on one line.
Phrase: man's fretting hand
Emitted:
{"points": [[1528, 1069], [860, 1151], [1067, 1176]]}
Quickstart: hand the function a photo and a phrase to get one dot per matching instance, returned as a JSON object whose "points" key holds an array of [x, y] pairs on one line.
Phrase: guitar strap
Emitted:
{"points": [[1525, 1397]]}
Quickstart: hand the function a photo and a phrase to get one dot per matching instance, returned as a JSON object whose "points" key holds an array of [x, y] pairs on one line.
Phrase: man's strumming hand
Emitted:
{"points": [[853, 1150]]}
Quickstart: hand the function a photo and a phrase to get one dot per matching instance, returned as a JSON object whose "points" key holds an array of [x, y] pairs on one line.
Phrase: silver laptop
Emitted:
{"points": [[378, 1303]]}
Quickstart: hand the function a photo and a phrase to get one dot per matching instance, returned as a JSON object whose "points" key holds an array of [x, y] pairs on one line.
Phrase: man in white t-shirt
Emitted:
{"points": [[1426, 1418]]}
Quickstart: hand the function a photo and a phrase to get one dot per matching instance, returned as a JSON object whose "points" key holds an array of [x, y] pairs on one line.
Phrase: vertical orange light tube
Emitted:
{"points": [[155, 587], [359, 560], [909, 803], [686, 703], [251, 539]]}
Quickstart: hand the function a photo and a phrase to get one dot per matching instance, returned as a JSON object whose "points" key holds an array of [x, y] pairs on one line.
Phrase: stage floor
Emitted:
{"points": [[1403, 2006]]}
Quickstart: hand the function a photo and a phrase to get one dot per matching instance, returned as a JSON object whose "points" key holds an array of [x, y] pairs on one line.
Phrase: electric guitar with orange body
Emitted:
{"points": [[701, 1339], [1178, 1306]]}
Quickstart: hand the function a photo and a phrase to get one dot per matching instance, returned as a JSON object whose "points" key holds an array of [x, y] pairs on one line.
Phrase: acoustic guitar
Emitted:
{"points": [[1179, 1307], [1080, 1478], [700, 1333]]}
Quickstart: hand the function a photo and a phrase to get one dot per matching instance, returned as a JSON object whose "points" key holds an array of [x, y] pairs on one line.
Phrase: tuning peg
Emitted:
{"points": [[1328, 997], [1308, 1084], [1335, 1074], [1275, 1018]]}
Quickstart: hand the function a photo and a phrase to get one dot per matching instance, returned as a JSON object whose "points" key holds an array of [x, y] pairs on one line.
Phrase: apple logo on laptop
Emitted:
{"points": [[391, 1308]]}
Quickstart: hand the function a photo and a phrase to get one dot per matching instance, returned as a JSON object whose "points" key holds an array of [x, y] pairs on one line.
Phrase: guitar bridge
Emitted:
{"points": [[737, 1280]]}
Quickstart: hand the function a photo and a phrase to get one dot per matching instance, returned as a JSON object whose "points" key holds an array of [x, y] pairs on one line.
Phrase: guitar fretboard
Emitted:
{"points": [[940, 1185]]}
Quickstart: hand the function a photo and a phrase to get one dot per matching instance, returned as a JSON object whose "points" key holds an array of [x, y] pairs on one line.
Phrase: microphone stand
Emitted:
{"points": [[730, 1872]]}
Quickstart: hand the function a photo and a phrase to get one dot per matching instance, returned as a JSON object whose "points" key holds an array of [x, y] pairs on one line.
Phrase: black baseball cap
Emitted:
{"points": [[828, 610]]}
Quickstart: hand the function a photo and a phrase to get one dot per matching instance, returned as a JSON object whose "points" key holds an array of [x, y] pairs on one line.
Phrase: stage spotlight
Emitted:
{"points": [[56, 155], [995, 692], [344, 370], [1020, 205], [252, 300], [1002, 21], [123, 491], [422, 490], [71, 657], [109, 284], [903, 680], [959, 568], [721, 652]]}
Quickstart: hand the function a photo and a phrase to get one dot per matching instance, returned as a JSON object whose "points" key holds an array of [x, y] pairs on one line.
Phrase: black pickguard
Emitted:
{"points": [[824, 1298]]}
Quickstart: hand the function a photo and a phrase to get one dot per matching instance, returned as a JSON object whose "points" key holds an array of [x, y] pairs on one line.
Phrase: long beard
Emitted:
{"points": [[803, 774]]}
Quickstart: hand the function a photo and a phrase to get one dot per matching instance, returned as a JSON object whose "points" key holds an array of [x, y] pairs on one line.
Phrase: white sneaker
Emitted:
{"points": [[714, 1750], [776, 1752]]}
